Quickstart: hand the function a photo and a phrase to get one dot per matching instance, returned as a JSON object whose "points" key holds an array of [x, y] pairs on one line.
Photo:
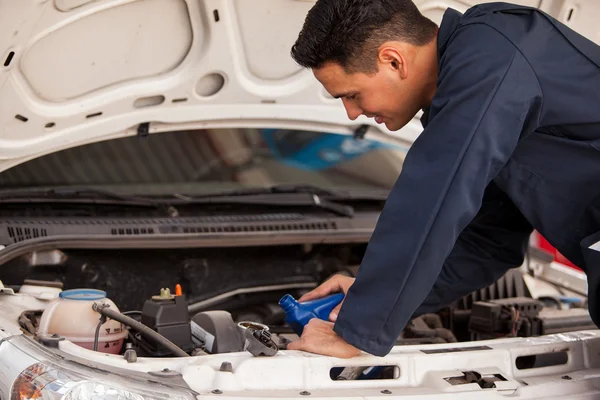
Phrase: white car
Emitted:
{"points": [[173, 144]]}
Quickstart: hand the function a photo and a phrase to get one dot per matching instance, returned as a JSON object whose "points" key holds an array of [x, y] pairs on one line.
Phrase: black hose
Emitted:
{"points": [[143, 329], [97, 334]]}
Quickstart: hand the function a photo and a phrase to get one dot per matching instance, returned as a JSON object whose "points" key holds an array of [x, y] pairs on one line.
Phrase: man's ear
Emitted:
{"points": [[393, 58]]}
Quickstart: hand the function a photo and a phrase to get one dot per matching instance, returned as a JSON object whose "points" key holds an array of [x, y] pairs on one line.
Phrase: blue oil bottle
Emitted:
{"points": [[298, 314]]}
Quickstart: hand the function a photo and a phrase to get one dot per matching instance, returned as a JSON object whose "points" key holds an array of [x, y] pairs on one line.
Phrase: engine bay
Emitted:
{"points": [[194, 302]]}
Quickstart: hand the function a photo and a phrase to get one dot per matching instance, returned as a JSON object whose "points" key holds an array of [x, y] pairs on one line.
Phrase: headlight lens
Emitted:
{"points": [[46, 381], [49, 377]]}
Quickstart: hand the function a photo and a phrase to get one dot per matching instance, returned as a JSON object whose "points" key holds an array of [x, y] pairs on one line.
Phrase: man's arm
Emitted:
{"points": [[494, 242], [487, 97]]}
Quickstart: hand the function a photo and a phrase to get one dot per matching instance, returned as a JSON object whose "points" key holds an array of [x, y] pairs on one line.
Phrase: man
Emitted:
{"points": [[511, 102]]}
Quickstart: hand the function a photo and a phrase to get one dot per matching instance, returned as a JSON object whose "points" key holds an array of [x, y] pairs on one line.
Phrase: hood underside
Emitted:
{"points": [[79, 71]]}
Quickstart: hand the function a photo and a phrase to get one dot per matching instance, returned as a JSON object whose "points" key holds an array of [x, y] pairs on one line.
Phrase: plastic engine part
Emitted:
{"points": [[559, 321], [58, 318], [169, 317], [216, 332], [259, 343], [497, 317]]}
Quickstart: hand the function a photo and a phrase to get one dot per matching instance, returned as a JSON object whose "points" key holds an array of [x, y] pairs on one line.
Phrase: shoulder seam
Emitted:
{"points": [[518, 50]]}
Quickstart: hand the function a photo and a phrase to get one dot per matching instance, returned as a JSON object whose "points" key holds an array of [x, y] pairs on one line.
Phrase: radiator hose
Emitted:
{"points": [[156, 337]]}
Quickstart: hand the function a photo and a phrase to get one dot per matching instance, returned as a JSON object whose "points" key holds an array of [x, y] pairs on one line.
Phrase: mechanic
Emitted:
{"points": [[511, 143]]}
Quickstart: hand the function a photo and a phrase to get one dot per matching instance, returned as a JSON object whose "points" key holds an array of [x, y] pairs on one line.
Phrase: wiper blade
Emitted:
{"points": [[273, 200], [84, 196], [278, 195], [284, 188], [73, 194]]}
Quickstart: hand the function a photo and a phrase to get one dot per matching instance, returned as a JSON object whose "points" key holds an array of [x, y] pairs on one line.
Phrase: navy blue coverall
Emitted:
{"points": [[511, 143]]}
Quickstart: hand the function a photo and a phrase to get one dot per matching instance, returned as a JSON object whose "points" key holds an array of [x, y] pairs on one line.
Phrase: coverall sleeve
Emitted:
{"points": [[488, 97], [495, 241]]}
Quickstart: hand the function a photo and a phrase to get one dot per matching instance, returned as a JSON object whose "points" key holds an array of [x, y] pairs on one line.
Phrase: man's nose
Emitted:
{"points": [[351, 109]]}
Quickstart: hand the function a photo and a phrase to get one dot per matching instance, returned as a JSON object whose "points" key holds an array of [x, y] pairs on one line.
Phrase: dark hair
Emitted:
{"points": [[350, 32]]}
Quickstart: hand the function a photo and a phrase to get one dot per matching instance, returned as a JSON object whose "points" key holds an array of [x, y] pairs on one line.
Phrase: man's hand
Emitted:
{"points": [[336, 284], [318, 337]]}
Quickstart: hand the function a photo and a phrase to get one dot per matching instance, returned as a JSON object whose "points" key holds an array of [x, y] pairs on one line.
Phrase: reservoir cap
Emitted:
{"points": [[83, 294]]}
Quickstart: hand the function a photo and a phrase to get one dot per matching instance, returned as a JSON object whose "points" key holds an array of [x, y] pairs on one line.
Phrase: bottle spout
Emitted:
{"points": [[287, 303]]}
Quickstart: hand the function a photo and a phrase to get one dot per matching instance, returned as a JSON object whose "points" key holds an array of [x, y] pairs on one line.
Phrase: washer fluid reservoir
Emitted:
{"points": [[71, 316]]}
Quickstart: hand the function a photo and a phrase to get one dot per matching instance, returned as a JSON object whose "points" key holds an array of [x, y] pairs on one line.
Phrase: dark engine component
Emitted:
{"points": [[523, 317], [510, 285], [559, 321], [426, 329], [456, 316], [167, 315], [216, 332], [496, 318], [259, 342]]}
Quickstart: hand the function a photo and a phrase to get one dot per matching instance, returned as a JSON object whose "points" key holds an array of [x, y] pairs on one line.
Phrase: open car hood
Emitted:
{"points": [[78, 71]]}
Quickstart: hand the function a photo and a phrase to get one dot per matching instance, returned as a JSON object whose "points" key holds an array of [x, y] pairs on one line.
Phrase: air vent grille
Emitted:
{"points": [[251, 218], [217, 219], [19, 234], [261, 228], [16, 231], [132, 231]]}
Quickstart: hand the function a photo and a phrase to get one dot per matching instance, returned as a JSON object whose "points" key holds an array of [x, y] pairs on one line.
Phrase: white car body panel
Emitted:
{"points": [[421, 375], [423, 370]]}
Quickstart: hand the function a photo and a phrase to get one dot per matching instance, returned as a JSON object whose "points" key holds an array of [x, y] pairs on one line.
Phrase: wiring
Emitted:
{"points": [[514, 329], [514, 322]]}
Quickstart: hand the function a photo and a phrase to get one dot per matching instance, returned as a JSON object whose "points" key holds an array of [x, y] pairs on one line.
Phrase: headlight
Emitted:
{"points": [[47, 381], [53, 378]]}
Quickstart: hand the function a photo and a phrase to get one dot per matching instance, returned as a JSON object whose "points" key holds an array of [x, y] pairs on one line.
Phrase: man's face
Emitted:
{"points": [[385, 95]]}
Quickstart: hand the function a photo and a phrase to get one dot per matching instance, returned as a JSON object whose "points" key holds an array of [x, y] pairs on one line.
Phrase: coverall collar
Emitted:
{"points": [[450, 22]]}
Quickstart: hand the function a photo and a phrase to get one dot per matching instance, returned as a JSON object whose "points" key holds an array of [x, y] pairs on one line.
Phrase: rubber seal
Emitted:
{"points": [[83, 294]]}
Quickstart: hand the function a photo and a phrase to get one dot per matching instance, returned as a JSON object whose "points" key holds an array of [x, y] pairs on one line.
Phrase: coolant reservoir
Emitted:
{"points": [[71, 316]]}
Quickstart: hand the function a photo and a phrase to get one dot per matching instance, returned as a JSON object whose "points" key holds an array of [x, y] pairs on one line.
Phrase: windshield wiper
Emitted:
{"points": [[85, 196], [70, 194], [275, 200], [283, 188], [278, 196]]}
